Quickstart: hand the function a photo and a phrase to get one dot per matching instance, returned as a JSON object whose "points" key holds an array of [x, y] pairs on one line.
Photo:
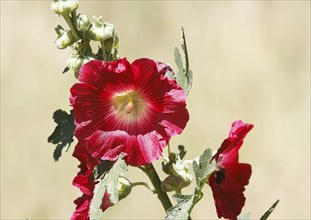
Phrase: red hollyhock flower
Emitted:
{"points": [[131, 108], [230, 178], [86, 183]]}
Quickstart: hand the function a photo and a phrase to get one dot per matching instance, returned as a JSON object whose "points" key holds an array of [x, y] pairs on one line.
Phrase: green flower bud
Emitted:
{"points": [[64, 38], [75, 61], [62, 7], [82, 22], [124, 188], [178, 178], [101, 31]]}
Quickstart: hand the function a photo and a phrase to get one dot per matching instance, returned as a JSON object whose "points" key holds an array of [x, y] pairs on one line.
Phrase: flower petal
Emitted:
{"points": [[228, 196]]}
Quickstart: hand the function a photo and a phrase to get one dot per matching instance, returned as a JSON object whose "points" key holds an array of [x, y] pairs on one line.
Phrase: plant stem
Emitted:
{"points": [[86, 42], [156, 182], [143, 184], [104, 50], [72, 27], [168, 148]]}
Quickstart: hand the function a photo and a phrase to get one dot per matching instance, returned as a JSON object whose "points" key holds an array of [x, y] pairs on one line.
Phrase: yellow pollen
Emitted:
{"points": [[129, 105]]}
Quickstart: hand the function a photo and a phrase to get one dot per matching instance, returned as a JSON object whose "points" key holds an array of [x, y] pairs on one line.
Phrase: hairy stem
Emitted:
{"points": [[156, 182]]}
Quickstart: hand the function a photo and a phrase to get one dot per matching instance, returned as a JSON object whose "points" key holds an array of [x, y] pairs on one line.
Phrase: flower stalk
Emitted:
{"points": [[72, 27], [152, 174]]}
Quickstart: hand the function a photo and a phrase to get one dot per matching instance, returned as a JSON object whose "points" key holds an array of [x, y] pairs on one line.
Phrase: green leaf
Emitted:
{"points": [[204, 168], [269, 211], [118, 169], [62, 136], [184, 76], [109, 183], [182, 209], [95, 211], [178, 61]]}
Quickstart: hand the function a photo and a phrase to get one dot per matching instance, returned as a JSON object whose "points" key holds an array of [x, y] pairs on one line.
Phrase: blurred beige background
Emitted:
{"points": [[251, 61]]}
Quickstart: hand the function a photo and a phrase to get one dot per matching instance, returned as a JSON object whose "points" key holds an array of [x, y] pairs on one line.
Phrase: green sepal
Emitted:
{"points": [[269, 211], [66, 69], [63, 134]]}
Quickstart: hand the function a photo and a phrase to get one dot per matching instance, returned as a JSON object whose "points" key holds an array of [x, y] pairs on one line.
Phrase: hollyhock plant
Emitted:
{"points": [[230, 177], [131, 108], [125, 114]]}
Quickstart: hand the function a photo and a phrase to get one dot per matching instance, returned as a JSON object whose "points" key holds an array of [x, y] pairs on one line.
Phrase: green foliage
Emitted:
{"points": [[182, 209], [108, 183], [62, 136], [204, 168], [269, 211], [184, 75], [185, 203]]}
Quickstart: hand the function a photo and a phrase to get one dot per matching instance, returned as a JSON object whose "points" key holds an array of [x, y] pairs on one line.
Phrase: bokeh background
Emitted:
{"points": [[251, 61]]}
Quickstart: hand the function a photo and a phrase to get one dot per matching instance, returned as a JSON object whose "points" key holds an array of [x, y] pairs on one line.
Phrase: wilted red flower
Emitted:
{"points": [[85, 182], [131, 108], [230, 178]]}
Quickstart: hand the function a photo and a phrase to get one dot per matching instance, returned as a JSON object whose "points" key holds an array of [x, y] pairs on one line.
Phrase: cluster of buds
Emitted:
{"points": [[177, 171], [81, 31]]}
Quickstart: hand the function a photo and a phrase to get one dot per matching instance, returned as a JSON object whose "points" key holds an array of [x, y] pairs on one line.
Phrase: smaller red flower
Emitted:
{"points": [[85, 182], [230, 178]]}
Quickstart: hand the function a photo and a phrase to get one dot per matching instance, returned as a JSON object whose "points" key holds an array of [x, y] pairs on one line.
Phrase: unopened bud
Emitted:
{"points": [[75, 62], [178, 178], [64, 38], [82, 22], [101, 31], [124, 188], [62, 7]]}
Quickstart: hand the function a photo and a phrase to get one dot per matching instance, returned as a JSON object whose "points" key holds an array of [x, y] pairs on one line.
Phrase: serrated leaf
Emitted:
{"points": [[203, 168], [95, 211], [269, 211], [109, 184], [63, 133], [184, 76], [118, 169], [182, 209]]}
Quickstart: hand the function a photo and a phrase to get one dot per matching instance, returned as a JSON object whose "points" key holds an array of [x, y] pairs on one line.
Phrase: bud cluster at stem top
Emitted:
{"points": [[81, 31]]}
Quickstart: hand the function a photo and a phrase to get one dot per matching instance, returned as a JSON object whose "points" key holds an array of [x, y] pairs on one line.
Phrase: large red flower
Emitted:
{"points": [[230, 178], [131, 108]]}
